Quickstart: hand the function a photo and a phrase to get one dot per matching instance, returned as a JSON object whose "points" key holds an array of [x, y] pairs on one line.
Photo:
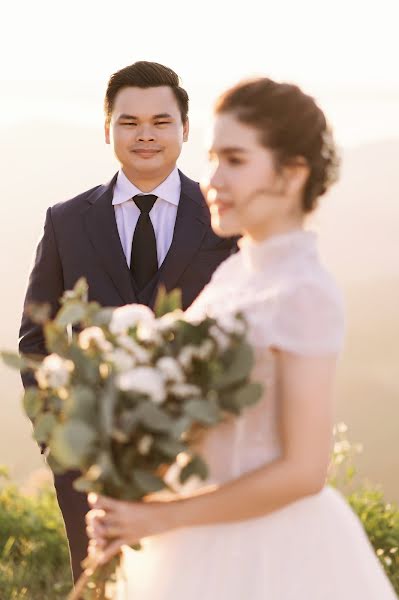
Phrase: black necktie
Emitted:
{"points": [[143, 258]]}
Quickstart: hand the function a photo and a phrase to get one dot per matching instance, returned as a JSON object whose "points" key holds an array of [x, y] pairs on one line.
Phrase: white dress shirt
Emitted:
{"points": [[162, 215]]}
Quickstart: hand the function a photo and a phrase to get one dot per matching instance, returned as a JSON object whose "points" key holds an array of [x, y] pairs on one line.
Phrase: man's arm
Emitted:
{"points": [[46, 285]]}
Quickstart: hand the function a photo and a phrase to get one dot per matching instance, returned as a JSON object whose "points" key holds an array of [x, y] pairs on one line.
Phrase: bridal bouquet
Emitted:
{"points": [[124, 392]]}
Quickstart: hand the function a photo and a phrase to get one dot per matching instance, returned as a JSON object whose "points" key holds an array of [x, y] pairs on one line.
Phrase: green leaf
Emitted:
{"points": [[203, 411], [147, 482], [238, 365], [43, 427], [167, 302], [82, 404], [13, 360], [54, 464], [197, 466], [79, 292], [71, 443], [180, 426], [169, 447], [247, 395], [102, 317], [153, 418], [71, 313], [32, 402], [83, 485], [56, 338]]}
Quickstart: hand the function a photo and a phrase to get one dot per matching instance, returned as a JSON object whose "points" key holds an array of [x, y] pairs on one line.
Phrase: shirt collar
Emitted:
{"points": [[169, 190]]}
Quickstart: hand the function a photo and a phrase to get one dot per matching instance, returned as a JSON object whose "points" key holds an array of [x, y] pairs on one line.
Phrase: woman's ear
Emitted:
{"points": [[296, 173]]}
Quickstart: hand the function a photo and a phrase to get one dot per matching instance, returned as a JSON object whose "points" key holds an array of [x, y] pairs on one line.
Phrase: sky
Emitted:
{"points": [[57, 57]]}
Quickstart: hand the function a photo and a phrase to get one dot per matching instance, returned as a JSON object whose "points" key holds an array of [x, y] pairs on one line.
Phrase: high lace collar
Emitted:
{"points": [[259, 255]]}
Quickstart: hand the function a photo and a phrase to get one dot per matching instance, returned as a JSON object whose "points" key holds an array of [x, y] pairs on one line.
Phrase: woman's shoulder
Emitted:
{"points": [[310, 314]]}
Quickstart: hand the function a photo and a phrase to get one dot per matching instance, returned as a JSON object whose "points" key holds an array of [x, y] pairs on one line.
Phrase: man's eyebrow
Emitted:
{"points": [[126, 117], [163, 116]]}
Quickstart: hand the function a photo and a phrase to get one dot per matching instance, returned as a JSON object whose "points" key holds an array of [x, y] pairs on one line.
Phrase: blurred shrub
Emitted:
{"points": [[34, 562], [380, 519]]}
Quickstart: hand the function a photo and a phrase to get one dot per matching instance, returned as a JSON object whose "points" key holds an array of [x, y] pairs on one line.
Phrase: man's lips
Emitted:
{"points": [[146, 151]]}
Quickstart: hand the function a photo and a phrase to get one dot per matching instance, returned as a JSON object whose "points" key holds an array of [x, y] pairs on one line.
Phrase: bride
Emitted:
{"points": [[265, 526]]}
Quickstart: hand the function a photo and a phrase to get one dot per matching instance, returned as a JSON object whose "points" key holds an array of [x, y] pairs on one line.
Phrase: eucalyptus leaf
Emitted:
{"points": [[153, 418], [238, 367], [102, 317], [203, 411], [43, 427], [197, 467], [82, 404], [14, 360], [248, 394], [71, 443], [147, 482], [180, 425], [32, 402], [71, 313], [169, 447]]}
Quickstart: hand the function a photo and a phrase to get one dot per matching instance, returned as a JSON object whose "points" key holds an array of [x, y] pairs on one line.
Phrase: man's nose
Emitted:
{"points": [[145, 134]]}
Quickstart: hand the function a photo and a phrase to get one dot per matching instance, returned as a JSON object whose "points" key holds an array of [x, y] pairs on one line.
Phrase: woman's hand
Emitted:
{"points": [[114, 523]]}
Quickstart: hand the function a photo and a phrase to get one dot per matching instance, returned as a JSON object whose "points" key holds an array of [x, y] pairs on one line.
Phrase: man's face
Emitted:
{"points": [[146, 131]]}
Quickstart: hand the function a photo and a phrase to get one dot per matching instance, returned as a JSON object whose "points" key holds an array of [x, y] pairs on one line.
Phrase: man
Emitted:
{"points": [[149, 226]]}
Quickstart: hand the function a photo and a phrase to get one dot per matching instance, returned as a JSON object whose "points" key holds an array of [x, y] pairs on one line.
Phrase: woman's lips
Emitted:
{"points": [[222, 207]]}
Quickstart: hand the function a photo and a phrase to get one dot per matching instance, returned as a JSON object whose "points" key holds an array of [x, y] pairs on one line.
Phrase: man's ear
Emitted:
{"points": [[107, 132], [186, 130]]}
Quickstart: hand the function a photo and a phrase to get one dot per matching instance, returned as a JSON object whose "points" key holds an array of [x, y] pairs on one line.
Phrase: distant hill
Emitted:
{"points": [[358, 227]]}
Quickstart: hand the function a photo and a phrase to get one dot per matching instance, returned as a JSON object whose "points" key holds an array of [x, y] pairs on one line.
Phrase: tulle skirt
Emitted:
{"points": [[313, 549]]}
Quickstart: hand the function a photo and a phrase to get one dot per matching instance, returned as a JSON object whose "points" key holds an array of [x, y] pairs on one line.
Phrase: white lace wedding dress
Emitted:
{"points": [[313, 549]]}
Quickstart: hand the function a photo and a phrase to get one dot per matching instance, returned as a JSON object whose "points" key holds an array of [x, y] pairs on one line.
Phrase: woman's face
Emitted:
{"points": [[245, 192]]}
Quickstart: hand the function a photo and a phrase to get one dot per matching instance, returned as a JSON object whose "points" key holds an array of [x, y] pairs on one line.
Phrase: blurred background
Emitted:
{"points": [[56, 64]]}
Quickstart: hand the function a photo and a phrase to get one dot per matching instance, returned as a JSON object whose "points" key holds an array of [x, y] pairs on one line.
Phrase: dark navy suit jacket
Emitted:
{"points": [[81, 240]]}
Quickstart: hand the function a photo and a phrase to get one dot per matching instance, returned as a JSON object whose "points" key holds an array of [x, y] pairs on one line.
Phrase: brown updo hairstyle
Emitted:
{"points": [[291, 125]]}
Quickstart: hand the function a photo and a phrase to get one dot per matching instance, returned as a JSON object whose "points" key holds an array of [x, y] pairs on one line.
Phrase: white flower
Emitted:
{"points": [[221, 339], [206, 349], [125, 317], [186, 356], [170, 369], [94, 335], [145, 380], [147, 331], [122, 360], [231, 324], [184, 390], [142, 355], [145, 444], [168, 320], [54, 372]]}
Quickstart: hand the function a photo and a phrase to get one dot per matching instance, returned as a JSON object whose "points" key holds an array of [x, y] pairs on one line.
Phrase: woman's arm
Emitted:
{"points": [[304, 389]]}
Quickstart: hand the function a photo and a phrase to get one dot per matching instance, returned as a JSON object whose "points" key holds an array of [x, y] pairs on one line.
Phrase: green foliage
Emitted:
{"points": [[34, 563], [380, 519]]}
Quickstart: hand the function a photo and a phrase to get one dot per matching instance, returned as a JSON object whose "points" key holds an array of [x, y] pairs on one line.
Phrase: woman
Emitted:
{"points": [[266, 526]]}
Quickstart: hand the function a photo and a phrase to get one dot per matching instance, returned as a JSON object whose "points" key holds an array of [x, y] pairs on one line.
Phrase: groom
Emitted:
{"points": [[149, 226]]}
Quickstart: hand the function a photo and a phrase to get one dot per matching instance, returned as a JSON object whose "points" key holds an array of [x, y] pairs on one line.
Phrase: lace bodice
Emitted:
{"points": [[290, 302]]}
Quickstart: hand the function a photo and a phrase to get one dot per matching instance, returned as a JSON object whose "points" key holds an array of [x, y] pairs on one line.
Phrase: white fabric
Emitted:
{"points": [[313, 549], [162, 215]]}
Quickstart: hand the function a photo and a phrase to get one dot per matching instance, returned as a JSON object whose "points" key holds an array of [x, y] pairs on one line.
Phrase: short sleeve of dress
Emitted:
{"points": [[309, 319]]}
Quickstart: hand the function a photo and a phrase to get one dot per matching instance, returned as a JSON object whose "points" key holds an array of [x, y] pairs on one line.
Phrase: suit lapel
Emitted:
{"points": [[99, 221], [192, 222]]}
